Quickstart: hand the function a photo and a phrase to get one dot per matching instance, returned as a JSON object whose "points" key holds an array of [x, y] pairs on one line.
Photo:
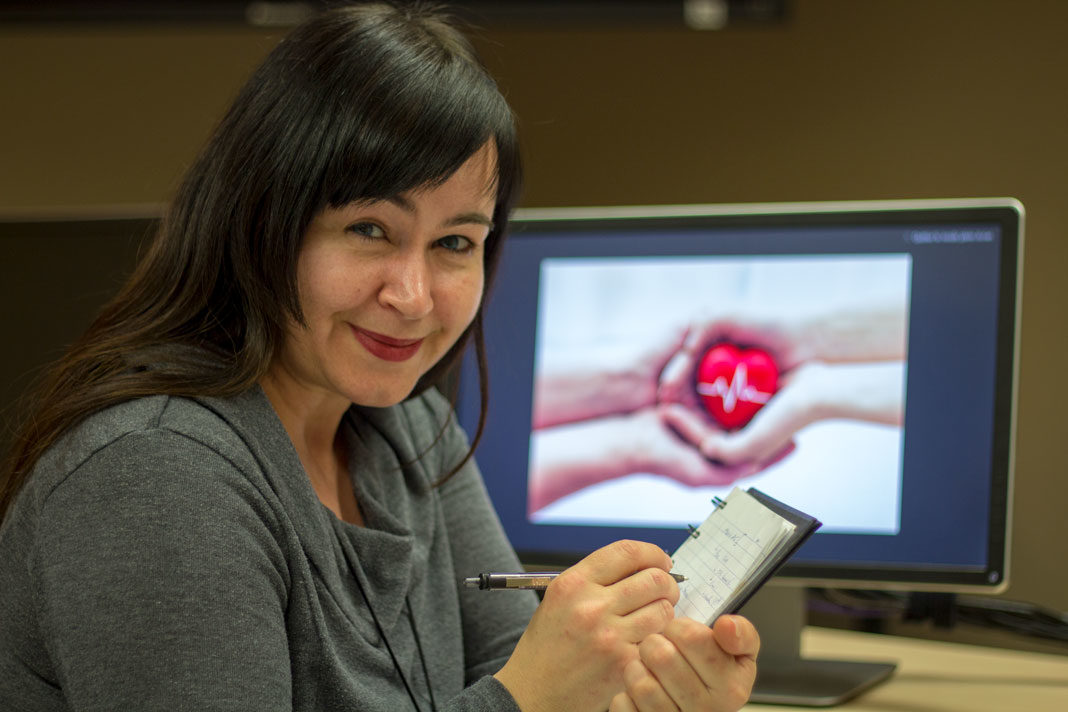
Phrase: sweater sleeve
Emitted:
{"points": [[160, 584], [492, 624]]}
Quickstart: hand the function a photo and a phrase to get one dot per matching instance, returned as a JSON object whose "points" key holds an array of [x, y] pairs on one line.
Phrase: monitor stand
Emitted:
{"points": [[783, 676]]}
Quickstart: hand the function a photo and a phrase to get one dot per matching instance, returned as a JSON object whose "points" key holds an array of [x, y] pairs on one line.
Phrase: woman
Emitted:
{"points": [[239, 490]]}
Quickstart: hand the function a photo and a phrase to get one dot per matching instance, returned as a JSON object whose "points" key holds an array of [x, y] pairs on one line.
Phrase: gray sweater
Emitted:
{"points": [[171, 554]]}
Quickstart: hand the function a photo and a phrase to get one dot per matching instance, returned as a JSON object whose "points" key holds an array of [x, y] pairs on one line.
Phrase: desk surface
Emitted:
{"points": [[933, 676]]}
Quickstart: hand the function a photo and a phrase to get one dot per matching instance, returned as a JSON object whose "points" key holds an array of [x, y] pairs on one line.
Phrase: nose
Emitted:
{"points": [[406, 285]]}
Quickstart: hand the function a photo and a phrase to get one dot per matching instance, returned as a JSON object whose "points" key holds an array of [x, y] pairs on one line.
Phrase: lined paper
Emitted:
{"points": [[726, 551]]}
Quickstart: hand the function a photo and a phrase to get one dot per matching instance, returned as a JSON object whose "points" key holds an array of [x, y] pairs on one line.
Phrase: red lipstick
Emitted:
{"points": [[385, 347]]}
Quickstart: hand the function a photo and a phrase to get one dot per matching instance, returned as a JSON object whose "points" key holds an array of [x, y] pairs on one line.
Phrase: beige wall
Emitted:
{"points": [[848, 100]]}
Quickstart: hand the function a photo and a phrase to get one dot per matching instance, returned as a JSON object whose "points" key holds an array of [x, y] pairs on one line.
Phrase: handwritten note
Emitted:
{"points": [[725, 552]]}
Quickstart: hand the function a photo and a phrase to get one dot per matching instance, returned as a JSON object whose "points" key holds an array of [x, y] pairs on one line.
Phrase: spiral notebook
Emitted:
{"points": [[745, 539]]}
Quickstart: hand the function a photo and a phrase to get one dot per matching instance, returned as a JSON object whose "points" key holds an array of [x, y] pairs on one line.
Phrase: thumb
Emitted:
{"points": [[737, 636]]}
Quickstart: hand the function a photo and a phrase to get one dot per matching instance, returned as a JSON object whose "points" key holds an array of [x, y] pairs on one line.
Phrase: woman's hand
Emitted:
{"points": [[586, 631], [690, 667]]}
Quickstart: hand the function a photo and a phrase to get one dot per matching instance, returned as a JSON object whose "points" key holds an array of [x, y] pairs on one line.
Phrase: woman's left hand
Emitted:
{"points": [[690, 667]]}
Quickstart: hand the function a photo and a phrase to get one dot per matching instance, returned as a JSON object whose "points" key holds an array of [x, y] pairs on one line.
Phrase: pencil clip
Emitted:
{"points": [[718, 503], [693, 531]]}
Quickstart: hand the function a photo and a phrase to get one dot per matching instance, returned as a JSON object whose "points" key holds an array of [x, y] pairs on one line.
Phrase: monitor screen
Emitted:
{"points": [[855, 360]]}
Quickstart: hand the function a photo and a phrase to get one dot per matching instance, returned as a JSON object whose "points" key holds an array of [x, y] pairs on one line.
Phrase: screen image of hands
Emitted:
{"points": [[842, 363], [659, 411]]}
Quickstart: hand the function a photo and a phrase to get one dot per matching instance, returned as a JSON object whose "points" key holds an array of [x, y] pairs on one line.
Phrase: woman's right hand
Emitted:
{"points": [[587, 629]]}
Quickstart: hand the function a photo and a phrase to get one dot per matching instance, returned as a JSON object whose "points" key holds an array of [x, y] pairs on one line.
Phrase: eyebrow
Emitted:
{"points": [[471, 218]]}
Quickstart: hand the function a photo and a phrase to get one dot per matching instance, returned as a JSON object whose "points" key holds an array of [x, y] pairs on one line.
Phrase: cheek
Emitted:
{"points": [[470, 297], [326, 287]]}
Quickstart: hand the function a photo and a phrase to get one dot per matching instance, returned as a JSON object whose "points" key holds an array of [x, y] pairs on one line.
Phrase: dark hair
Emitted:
{"points": [[363, 101]]}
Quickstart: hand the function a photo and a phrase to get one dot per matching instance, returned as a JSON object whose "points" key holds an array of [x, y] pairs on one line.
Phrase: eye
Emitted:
{"points": [[367, 230], [456, 243]]}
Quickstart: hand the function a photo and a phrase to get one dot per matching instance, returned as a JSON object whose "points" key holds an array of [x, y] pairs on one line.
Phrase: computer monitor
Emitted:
{"points": [[856, 360]]}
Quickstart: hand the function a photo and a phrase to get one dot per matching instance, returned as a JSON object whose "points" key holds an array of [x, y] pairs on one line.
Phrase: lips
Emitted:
{"points": [[385, 347]]}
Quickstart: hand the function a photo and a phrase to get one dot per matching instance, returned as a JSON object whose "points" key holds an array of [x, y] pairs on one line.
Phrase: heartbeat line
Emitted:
{"points": [[737, 390]]}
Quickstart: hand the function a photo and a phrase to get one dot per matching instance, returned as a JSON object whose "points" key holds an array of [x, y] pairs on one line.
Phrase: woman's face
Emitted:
{"points": [[388, 286]]}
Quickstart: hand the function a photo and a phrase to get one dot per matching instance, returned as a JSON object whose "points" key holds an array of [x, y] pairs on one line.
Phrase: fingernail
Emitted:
{"points": [[737, 634]]}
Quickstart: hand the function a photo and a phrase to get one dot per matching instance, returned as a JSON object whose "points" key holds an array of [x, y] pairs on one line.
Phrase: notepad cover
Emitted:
{"points": [[735, 550]]}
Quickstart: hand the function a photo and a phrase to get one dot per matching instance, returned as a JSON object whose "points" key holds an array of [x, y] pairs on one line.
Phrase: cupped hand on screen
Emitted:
{"points": [[763, 442], [814, 391], [660, 448]]}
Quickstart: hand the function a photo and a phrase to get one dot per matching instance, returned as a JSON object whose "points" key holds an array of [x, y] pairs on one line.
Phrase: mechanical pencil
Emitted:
{"points": [[536, 580]]}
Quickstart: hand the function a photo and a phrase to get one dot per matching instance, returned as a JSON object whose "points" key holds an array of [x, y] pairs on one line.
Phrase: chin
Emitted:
{"points": [[380, 397], [379, 388], [377, 401]]}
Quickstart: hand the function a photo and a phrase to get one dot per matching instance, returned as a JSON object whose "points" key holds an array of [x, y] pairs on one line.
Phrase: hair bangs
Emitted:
{"points": [[419, 137]]}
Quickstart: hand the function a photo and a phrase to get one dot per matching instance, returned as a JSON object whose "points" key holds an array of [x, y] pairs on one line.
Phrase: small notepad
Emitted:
{"points": [[745, 539]]}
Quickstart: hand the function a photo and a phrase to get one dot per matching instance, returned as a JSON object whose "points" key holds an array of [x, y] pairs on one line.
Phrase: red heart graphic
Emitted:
{"points": [[734, 383]]}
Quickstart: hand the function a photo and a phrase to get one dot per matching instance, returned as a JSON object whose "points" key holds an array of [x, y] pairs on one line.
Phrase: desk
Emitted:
{"points": [[933, 676]]}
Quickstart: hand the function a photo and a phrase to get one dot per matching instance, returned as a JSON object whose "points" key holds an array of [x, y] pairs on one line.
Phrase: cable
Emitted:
{"points": [[1023, 619], [385, 639], [422, 657], [389, 648]]}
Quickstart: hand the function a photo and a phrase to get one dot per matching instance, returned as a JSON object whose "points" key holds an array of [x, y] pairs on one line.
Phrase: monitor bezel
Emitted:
{"points": [[1007, 212]]}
